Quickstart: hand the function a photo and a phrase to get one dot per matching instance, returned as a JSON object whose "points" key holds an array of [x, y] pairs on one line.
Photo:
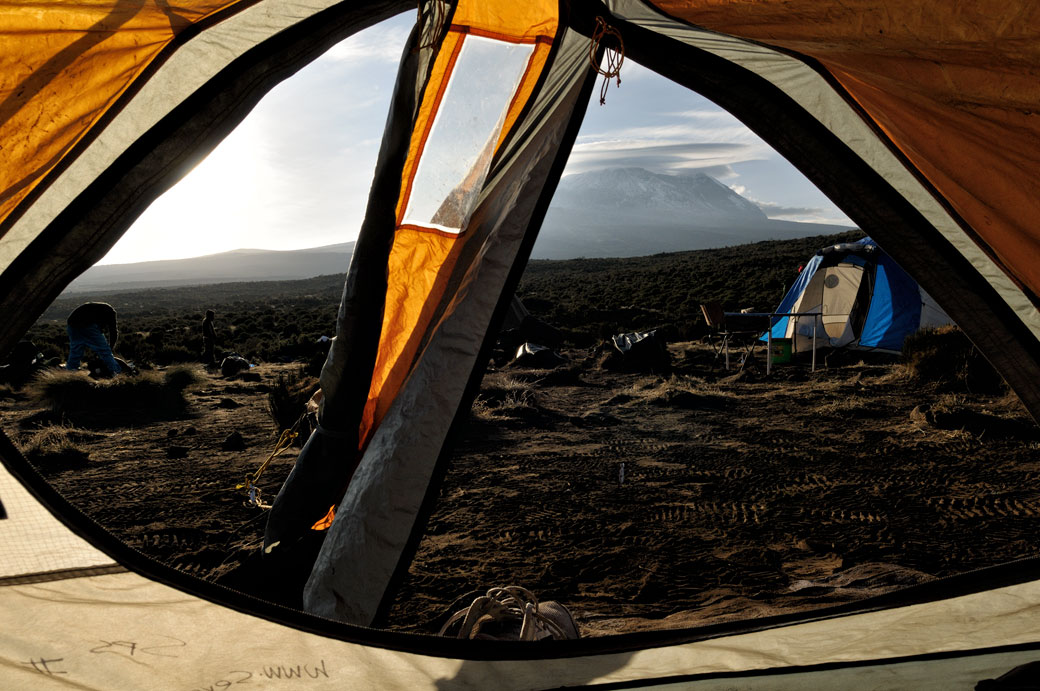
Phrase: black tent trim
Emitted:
{"points": [[82, 525], [141, 156]]}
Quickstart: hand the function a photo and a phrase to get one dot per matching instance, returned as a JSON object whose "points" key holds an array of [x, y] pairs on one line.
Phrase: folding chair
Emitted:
{"points": [[733, 327], [744, 329], [715, 318]]}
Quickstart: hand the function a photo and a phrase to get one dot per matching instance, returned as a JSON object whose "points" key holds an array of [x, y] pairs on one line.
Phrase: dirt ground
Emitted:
{"points": [[639, 501]]}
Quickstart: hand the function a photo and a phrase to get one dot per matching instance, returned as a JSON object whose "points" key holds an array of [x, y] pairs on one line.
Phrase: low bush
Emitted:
{"points": [[175, 355], [945, 357], [287, 402], [56, 447], [117, 401]]}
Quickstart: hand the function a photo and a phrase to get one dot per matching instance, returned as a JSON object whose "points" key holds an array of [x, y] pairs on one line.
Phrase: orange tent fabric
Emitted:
{"points": [[65, 65], [955, 87], [421, 259]]}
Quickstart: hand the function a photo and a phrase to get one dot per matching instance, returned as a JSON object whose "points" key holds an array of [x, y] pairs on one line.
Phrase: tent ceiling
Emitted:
{"points": [[955, 87], [64, 66]]}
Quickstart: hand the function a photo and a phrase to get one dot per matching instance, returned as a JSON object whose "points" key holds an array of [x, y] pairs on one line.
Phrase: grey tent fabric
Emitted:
{"points": [[375, 518], [327, 461]]}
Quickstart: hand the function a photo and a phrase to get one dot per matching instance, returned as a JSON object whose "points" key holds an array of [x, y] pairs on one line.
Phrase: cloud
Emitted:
{"points": [[676, 141], [380, 43], [774, 210], [713, 158], [693, 131], [720, 172], [804, 214]]}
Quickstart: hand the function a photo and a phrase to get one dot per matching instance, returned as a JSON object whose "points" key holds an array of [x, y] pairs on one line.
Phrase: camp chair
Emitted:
{"points": [[733, 328], [744, 330], [715, 318]]}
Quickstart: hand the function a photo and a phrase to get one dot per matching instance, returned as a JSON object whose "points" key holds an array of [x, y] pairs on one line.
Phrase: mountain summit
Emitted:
{"points": [[629, 189], [628, 212]]}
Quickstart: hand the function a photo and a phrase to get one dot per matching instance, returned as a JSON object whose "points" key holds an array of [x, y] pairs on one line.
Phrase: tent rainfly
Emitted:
{"points": [[864, 299], [918, 120]]}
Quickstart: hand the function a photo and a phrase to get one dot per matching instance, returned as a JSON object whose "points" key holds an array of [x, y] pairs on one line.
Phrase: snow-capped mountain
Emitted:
{"points": [[623, 212], [628, 189]]}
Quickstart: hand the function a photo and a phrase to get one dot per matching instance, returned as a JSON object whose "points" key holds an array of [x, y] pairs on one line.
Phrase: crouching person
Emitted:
{"points": [[86, 327]]}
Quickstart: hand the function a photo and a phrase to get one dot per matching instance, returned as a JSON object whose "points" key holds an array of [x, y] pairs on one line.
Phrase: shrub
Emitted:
{"points": [[135, 347], [51, 351], [316, 362], [945, 357], [181, 377], [287, 402], [55, 447], [176, 354], [112, 402]]}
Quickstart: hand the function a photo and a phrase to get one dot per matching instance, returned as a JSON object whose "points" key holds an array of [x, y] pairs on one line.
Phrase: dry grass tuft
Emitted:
{"points": [[957, 412], [58, 446], [503, 398], [182, 377], [848, 407], [119, 400], [678, 391]]}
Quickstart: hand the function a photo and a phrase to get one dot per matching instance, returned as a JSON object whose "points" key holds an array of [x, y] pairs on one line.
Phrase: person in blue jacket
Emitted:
{"points": [[86, 327]]}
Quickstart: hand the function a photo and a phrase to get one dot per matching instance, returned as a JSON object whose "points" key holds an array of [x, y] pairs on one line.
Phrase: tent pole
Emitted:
{"points": [[794, 335], [815, 321], [769, 350]]}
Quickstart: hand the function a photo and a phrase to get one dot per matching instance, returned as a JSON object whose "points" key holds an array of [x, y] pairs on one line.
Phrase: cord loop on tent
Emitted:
{"points": [[438, 16], [615, 57]]}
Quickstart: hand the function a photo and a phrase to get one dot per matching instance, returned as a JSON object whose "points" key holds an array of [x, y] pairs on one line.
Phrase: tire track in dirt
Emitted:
{"points": [[984, 507], [717, 509], [864, 495]]}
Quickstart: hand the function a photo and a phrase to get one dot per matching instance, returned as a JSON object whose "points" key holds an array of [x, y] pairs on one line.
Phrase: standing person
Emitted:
{"points": [[86, 326], [209, 338]]}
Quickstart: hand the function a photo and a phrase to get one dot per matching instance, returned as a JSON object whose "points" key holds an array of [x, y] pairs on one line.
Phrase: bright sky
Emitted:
{"points": [[297, 171]]}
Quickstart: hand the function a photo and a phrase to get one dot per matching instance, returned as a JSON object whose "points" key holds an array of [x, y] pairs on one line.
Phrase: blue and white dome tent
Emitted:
{"points": [[865, 301]]}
